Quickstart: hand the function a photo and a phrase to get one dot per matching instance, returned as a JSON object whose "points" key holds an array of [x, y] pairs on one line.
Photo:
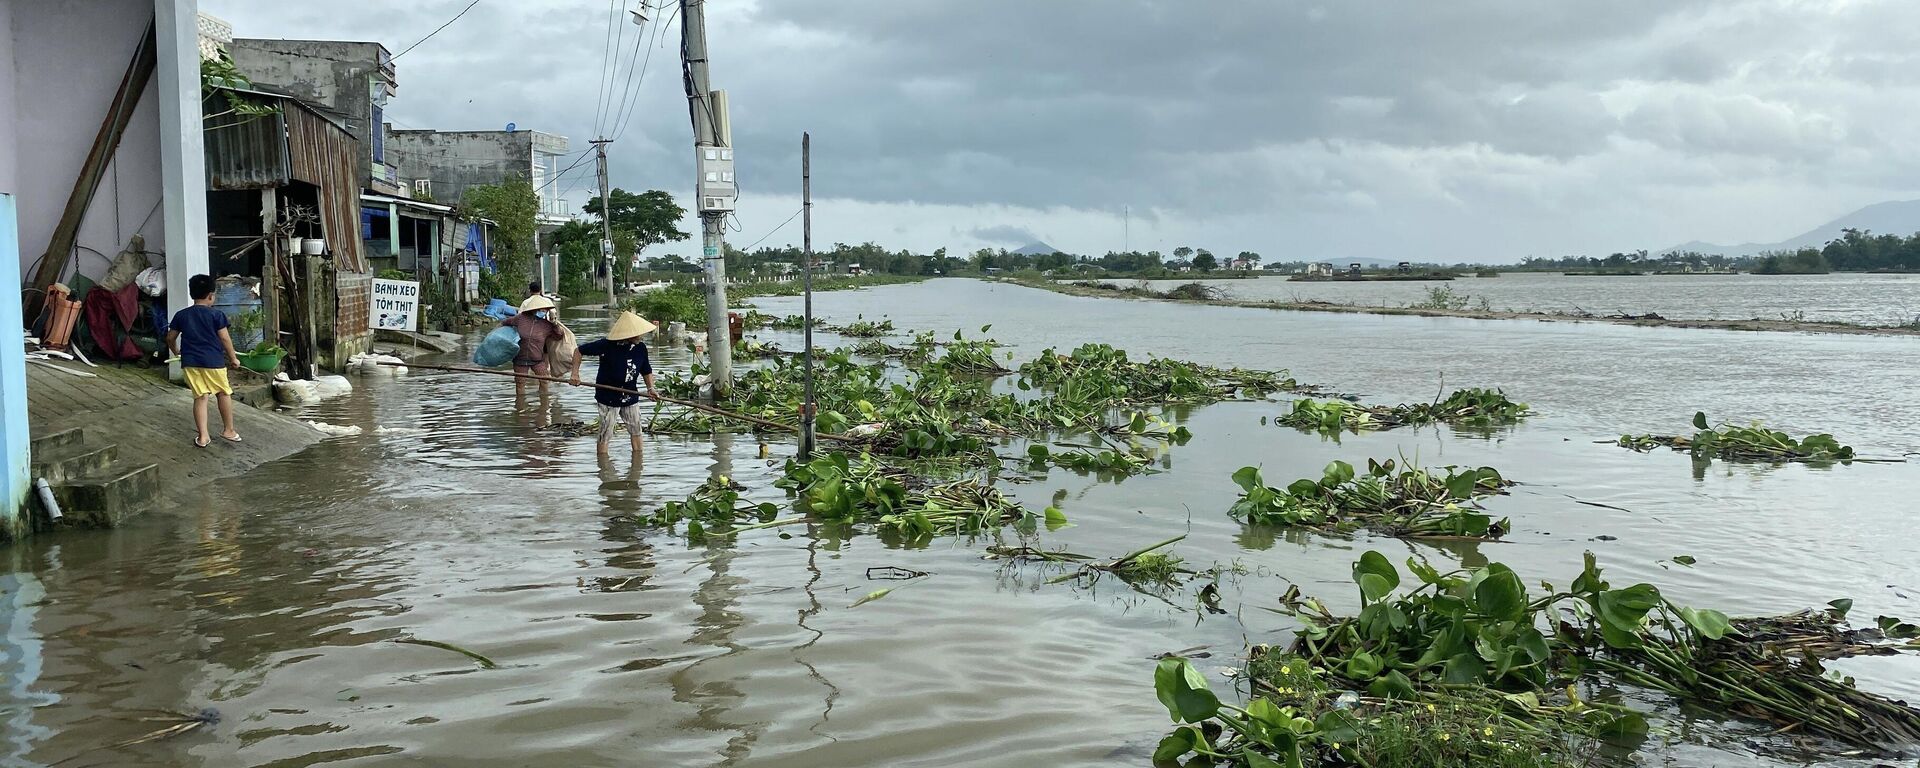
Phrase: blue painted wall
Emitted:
{"points": [[13, 386]]}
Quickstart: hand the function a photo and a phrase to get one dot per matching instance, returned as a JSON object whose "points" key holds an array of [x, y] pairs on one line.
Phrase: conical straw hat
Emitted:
{"points": [[534, 303], [629, 326]]}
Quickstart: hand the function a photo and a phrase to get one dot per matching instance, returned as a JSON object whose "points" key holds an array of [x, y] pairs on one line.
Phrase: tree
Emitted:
{"points": [[512, 206], [648, 218], [1252, 259], [1204, 261], [1182, 253]]}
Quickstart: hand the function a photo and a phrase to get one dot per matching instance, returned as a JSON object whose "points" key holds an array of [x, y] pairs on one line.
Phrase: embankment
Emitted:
{"points": [[1649, 320]]}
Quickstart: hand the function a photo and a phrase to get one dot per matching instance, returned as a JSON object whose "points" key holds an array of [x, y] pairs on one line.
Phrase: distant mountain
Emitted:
{"points": [[1898, 217], [1036, 248]]}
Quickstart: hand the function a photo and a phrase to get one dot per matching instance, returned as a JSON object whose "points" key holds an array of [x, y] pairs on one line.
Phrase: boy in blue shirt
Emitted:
{"points": [[198, 336], [623, 364]]}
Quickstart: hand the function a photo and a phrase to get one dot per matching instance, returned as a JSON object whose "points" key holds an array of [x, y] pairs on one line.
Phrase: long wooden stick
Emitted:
{"points": [[663, 398]]}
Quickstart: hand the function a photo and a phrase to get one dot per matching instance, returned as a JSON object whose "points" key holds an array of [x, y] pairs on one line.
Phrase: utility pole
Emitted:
{"points": [[806, 272], [713, 153], [606, 222]]}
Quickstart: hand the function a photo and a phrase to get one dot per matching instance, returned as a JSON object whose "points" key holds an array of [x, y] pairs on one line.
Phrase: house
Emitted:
{"points": [[350, 81], [1320, 269], [442, 165], [856, 269], [64, 196], [279, 174]]}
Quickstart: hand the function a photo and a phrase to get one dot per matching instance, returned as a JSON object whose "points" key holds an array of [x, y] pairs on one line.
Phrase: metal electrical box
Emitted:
{"points": [[716, 189]]}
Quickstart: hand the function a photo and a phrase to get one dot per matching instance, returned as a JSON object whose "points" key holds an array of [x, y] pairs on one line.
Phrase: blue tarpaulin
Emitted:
{"points": [[477, 242]]}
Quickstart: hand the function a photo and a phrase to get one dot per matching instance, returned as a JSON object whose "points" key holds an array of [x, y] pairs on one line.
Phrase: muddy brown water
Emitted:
{"points": [[276, 598]]}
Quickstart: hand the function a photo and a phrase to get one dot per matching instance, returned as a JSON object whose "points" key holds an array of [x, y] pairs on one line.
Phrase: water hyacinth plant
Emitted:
{"points": [[1466, 407], [1407, 503], [1477, 644], [1752, 442]]}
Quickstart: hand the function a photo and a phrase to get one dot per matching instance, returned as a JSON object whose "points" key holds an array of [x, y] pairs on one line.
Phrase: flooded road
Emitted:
{"points": [[276, 599], [1855, 297]]}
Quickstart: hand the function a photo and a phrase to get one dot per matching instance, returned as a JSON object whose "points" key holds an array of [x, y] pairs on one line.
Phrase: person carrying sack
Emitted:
{"points": [[536, 325], [623, 364]]}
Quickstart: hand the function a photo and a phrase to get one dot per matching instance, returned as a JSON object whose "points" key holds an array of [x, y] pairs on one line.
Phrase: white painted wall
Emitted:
{"points": [[67, 60]]}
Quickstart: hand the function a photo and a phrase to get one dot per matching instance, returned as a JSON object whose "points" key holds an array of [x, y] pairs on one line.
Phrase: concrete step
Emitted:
{"points": [[72, 462], [49, 443], [108, 498]]}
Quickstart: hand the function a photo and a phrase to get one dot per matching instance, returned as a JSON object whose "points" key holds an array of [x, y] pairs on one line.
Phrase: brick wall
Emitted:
{"points": [[353, 301]]}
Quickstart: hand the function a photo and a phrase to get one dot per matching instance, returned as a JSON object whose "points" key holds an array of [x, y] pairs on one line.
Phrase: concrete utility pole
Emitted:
{"points": [[806, 271], [606, 221], [713, 152]]}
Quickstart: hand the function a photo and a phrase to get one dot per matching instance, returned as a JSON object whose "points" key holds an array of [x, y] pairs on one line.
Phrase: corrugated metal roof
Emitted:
{"points": [[244, 151], [325, 155]]}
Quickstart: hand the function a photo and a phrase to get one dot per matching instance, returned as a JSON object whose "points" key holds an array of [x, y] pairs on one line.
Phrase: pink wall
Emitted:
{"points": [[66, 60]]}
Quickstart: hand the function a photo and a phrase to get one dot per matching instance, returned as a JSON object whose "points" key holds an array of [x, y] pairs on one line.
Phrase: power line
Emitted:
{"points": [[456, 17], [606, 52], [783, 225], [626, 88], [620, 124]]}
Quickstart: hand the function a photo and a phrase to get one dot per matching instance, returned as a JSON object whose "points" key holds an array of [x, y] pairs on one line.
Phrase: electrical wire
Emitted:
{"points": [[456, 17], [606, 54], [776, 230], [563, 172], [620, 123], [626, 90]]}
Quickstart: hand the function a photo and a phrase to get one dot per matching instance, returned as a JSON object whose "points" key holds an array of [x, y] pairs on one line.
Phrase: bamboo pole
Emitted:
{"points": [[663, 398]]}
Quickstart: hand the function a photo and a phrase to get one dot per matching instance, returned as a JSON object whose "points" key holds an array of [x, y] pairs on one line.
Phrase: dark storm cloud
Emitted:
{"points": [[1016, 236], [1317, 125]]}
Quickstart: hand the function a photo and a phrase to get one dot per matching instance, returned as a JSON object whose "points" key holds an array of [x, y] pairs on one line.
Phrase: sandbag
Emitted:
{"points": [[498, 348], [296, 392], [332, 386], [562, 348]]}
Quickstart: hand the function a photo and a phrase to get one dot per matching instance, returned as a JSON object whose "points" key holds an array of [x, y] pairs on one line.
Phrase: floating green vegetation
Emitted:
{"points": [[838, 486], [1474, 643], [962, 355], [1753, 442], [1467, 407], [1095, 460], [1143, 567], [866, 329], [1303, 715], [1099, 372], [793, 323], [1409, 503]]}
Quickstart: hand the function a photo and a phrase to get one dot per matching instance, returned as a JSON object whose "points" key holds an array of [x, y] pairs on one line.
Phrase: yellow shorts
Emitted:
{"points": [[207, 381]]}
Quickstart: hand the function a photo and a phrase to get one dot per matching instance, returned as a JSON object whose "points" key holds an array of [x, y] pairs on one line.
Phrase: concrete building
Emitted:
{"points": [[64, 70], [442, 165], [349, 81]]}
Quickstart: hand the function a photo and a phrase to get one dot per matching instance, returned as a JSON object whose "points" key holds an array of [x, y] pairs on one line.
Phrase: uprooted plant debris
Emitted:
{"points": [[1465, 407], [1752, 442], [1476, 643], [1142, 566], [1406, 503]]}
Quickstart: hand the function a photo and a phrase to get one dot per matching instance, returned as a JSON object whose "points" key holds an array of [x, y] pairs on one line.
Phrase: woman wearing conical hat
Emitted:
{"points": [[535, 325], [624, 365]]}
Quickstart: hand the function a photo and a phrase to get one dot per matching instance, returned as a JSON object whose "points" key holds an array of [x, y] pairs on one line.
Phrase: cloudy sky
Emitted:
{"points": [[1479, 130]]}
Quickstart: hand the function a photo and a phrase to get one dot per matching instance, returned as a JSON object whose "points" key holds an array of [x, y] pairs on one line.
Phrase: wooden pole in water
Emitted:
{"points": [[663, 398], [806, 322]]}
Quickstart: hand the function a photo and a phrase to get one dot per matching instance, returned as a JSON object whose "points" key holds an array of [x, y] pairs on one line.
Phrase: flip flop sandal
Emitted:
{"points": [[198, 444], [234, 439]]}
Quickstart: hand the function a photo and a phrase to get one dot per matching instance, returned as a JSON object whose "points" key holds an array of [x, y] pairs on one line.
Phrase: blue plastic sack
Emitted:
{"points": [[499, 309], [498, 348]]}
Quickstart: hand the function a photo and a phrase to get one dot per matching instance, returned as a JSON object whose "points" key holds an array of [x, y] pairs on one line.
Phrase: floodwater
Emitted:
{"points": [[1867, 299], [276, 598]]}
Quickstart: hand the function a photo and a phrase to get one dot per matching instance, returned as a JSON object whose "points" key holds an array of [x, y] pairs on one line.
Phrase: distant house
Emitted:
{"points": [[1405, 267], [1320, 269], [855, 269]]}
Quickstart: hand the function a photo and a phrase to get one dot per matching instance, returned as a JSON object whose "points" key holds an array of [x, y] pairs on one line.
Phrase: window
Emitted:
{"points": [[379, 131]]}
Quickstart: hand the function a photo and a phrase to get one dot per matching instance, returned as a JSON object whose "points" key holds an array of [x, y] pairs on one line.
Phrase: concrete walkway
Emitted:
{"points": [[150, 420]]}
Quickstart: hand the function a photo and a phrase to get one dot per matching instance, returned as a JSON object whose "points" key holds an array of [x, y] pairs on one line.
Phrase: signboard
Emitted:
{"points": [[395, 305]]}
